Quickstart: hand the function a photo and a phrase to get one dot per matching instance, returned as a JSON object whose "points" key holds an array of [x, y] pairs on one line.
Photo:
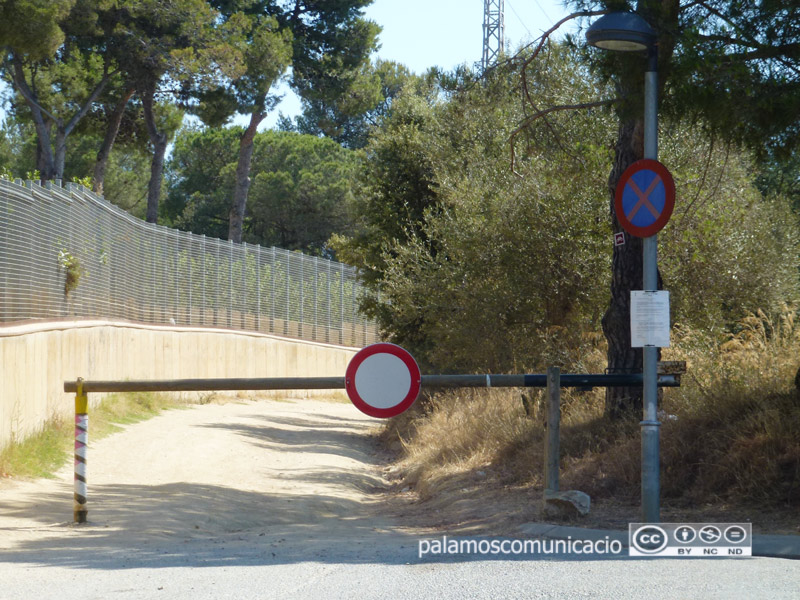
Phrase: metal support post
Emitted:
{"points": [[551, 450], [650, 426], [258, 288]]}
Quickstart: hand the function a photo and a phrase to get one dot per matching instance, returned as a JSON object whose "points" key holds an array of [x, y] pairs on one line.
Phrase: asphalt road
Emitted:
{"points": [[277, 500], [379, 566]]}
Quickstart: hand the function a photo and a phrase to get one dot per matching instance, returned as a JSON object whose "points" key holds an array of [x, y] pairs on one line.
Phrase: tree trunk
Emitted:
{"points": [[41, 158], [52, 164], [626, 275], [159, 142], [98, 180], [156, 173], [239, 203], [627, 267], [61, 151], [45, 159]]}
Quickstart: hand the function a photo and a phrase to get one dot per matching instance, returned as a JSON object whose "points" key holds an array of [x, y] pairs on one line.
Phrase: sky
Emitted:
{"points": [[447, 33], [444, 33]]}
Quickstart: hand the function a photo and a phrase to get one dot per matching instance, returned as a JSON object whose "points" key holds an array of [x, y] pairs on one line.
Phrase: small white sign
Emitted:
{"points": [[649, 319]]}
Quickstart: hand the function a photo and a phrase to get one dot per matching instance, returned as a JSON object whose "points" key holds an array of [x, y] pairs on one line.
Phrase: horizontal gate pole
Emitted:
{"points": [[536, 380], [338, 383], [211, 385]]}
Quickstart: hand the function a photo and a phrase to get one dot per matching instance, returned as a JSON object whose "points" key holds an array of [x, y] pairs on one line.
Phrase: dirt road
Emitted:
{"points": [[280, 469]]}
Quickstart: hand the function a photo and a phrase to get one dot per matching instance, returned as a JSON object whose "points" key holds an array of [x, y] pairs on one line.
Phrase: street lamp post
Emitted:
{"points": [[628, 32]]}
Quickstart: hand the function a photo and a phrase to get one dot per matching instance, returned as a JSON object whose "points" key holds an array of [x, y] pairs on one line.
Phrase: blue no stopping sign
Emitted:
{"points": [[645, 198]]}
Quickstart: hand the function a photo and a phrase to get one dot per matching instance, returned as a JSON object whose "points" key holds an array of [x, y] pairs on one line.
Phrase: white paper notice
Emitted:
{"points": [[649, 319]]}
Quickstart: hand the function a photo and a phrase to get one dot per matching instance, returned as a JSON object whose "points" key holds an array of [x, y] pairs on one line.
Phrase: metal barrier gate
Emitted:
{"points": [[82, 388]]}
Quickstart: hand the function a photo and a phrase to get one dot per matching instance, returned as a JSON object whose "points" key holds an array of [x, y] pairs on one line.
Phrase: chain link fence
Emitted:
{"points": [[67, 253]]}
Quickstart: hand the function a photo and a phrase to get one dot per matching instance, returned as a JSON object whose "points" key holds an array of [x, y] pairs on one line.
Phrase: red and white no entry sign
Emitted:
{"points": [[383, 380]]}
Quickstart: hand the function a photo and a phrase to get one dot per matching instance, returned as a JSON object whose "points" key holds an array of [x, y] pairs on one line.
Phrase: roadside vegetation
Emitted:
{"points": [[45, 452], [730, 435], [496, 271]]}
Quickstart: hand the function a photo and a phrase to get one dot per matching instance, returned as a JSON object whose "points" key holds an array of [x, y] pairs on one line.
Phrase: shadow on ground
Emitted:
{"points": [[316, 436], [201, 525]]}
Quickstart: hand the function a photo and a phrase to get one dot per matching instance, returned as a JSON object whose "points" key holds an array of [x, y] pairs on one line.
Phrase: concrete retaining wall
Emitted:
{"points": [[36, 359]]}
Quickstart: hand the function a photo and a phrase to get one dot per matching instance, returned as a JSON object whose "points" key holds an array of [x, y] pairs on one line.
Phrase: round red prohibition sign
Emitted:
{"points": [[644, 198], [383, 380]]}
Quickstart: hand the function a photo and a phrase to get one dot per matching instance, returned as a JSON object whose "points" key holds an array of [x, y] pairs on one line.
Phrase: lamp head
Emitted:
{"points": [[621, 31]]}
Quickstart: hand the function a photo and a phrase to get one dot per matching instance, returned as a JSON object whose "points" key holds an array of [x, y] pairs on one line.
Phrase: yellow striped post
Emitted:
{"points": [[81, 441]]}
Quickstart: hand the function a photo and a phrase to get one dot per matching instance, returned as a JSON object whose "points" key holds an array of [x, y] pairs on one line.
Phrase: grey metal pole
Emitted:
{"points": [[551, 449], [651, 485]]}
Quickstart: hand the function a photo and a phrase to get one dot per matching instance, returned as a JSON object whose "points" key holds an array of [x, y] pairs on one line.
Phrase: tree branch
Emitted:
{"points": [[731, 41], [702, 183], [542, 113], [722, 17], [87, 105], [22, 86], [546, 35], [776, 52]]}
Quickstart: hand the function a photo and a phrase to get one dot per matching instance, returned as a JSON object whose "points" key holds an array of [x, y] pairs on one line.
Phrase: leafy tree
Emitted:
{"points": [[397, 185], [780, 175], [200, 172], [325, 43], [109, 117], [469, 260], [350, 117], [267, 50], [18, 154], [96, 55], [57, 63], [728, 250], [475, 267], [302, 192], [732, 67], [173, 49], [32, 28], [299, 197], [126, 171]]}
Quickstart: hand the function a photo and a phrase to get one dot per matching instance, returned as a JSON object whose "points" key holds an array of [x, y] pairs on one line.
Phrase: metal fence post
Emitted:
{"points": [[177, 279], [80, 510], [329, 322], [273, 272], [288, 290], [341, 300], [258, 288], [244, 295], [551, 449], [301, 320], [203, 276], [217, 243], [189, 264], [354, 303], [230, 284]]}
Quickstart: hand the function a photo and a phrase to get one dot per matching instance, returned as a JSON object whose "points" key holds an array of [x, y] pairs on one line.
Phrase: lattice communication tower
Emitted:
{"points": [[493, 32]]}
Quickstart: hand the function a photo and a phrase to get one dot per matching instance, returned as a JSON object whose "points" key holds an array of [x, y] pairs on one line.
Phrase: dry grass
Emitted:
{"points": [[737, 433], [730, 435], [43, 453]]}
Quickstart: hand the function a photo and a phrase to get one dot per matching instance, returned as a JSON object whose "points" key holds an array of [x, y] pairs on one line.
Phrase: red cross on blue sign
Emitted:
{"points": [[645, 198]]}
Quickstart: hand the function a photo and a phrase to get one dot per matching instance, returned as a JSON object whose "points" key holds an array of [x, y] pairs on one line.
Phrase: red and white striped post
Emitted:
{"points": [[81, 442]]}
